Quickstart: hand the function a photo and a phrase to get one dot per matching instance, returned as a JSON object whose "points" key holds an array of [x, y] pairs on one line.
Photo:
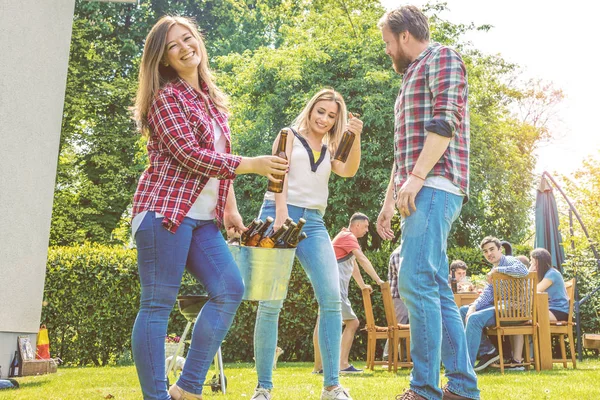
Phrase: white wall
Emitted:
{"points": [[34, 39]]}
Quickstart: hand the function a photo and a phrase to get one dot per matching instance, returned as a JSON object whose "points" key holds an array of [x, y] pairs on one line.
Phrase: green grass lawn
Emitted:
{"points": [[294, 381]]}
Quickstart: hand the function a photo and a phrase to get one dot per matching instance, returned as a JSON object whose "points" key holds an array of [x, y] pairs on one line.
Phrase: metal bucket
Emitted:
{"points": [[266, 272]]}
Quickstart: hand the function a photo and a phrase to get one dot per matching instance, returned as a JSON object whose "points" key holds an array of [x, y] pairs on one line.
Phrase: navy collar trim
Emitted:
{"points": [[313, 165]]}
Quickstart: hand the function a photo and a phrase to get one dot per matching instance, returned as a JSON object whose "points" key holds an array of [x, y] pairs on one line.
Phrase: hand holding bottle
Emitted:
{"points": [[234, 226], [268, 166], [352, 131], [355, 125]]}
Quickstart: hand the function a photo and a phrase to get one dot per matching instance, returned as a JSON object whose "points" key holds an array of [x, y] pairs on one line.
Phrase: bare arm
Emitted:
{"points": [[232, 219], [384, 220], [350, 167], [544, 285], [364, 262], [435, 146], [281, 211], [358, 277]]}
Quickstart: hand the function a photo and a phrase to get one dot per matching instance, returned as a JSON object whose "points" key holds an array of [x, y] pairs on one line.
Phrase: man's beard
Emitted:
{"points": [[400, 63]]}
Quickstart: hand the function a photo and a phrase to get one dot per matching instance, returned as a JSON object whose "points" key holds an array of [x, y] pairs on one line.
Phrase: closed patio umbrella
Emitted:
{"points": [[546, 224]]}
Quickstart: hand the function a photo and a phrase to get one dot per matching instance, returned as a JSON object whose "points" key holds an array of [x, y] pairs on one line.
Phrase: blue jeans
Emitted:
{"points": [[318, 260], [436, 330], [477, 341], [199, 247]]}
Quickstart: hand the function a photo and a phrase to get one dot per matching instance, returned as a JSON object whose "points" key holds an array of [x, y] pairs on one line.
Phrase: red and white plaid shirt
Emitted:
{"points": [[433, 98], [182, 154]]}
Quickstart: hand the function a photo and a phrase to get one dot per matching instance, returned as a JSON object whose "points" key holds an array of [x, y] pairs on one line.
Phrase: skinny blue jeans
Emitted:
{"points": [[436, 329], [199, 247], [318, 260], [477, 340]]}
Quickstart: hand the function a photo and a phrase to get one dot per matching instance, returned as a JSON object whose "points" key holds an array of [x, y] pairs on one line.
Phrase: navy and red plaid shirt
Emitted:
{"points": [[182, 154], [433, 98]]}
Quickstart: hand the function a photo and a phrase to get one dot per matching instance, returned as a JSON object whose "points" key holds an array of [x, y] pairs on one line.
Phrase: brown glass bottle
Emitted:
{"points": [[303, 236], [282, 243], [294, 238], [277, 187], [269, 241], [343, 150], [256, 237], [251, 228]]}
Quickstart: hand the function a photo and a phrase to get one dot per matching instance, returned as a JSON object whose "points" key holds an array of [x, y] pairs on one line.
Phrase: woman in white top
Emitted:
{"points": [[310, 148]]}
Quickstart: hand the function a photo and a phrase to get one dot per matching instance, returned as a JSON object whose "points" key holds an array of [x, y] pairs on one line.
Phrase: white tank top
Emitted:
{"points": [[308, 179]]}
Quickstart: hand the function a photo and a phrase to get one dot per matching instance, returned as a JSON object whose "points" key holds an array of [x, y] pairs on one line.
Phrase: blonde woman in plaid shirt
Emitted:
{"points": [[429, 183], [182, 198]]}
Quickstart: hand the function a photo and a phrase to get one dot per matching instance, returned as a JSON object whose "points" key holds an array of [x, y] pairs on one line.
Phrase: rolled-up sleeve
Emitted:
{"points": [[447, 80], [169, 123]]}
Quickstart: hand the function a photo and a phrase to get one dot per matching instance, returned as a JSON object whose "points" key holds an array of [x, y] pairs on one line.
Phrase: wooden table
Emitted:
{"points": [[545, 348], [465, 298]]}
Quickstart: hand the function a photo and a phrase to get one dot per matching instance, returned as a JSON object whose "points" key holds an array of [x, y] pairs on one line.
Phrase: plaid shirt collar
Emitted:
{"points": [[423, 54]]}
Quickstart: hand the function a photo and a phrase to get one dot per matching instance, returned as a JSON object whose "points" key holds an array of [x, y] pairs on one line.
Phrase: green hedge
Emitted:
{"points": [[91, 295], [92, 298]]}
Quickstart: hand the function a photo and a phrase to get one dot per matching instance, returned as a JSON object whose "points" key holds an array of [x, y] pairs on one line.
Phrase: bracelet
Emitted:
{"points": [[417, 176]]}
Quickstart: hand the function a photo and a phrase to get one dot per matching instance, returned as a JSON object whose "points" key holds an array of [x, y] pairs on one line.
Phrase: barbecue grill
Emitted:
{"points": [[189, 307]]}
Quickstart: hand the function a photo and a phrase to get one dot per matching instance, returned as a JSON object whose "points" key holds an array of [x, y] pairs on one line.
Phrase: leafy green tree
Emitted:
{"points": [[342, 48], [272, 56], [102, 155]]}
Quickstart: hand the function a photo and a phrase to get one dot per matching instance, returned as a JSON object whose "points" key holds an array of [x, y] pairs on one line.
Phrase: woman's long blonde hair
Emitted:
{"points": [[335, 133], [154, 74]]}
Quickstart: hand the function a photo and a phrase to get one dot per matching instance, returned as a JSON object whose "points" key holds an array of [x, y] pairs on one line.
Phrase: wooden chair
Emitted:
{"points": [[399, 333], [374, 333], [562, 328], [516, 313]]}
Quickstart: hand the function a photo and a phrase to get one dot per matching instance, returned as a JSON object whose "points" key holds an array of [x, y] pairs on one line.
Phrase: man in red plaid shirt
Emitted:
{"points": [[429, 184]]}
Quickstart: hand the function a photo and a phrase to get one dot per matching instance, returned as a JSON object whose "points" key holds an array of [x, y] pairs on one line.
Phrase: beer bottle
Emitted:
{"points": [[303, 236], [253, 225], [14, 369], [277, 187], [346, 142], [282, 243], [259, 233], [294, 237], [269, 241], [343, 150], [453, 282]]}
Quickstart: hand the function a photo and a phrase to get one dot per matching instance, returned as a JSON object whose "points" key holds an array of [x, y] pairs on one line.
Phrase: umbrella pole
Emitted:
{"points": [[572, 208], [578, 321]]}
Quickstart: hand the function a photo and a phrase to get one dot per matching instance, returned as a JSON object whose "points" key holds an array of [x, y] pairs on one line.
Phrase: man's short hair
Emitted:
{"points": [[524, 260], [406, 18], [358, 217], [458, 264], [490, 239]]}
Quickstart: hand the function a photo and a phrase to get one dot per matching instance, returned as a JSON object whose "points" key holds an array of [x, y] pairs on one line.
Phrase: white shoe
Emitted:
{"points": [[261, 394], [338, 393]]}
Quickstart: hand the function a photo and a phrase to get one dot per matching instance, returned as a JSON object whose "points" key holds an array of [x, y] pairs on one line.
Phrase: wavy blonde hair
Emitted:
{"points": [[335, 133], [154, 74]]}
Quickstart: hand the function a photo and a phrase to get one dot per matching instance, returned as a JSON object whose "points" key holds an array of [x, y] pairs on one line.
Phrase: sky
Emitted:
{"points": [[552, 40]]}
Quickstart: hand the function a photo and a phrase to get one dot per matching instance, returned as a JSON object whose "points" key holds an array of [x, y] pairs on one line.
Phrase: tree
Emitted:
{"points": [[272, 55], [339, 49], [102, 155]]}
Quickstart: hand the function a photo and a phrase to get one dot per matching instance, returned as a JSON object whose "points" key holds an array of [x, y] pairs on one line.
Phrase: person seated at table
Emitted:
{"points": [[460, 274], [481, 313], [550, 281]]}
